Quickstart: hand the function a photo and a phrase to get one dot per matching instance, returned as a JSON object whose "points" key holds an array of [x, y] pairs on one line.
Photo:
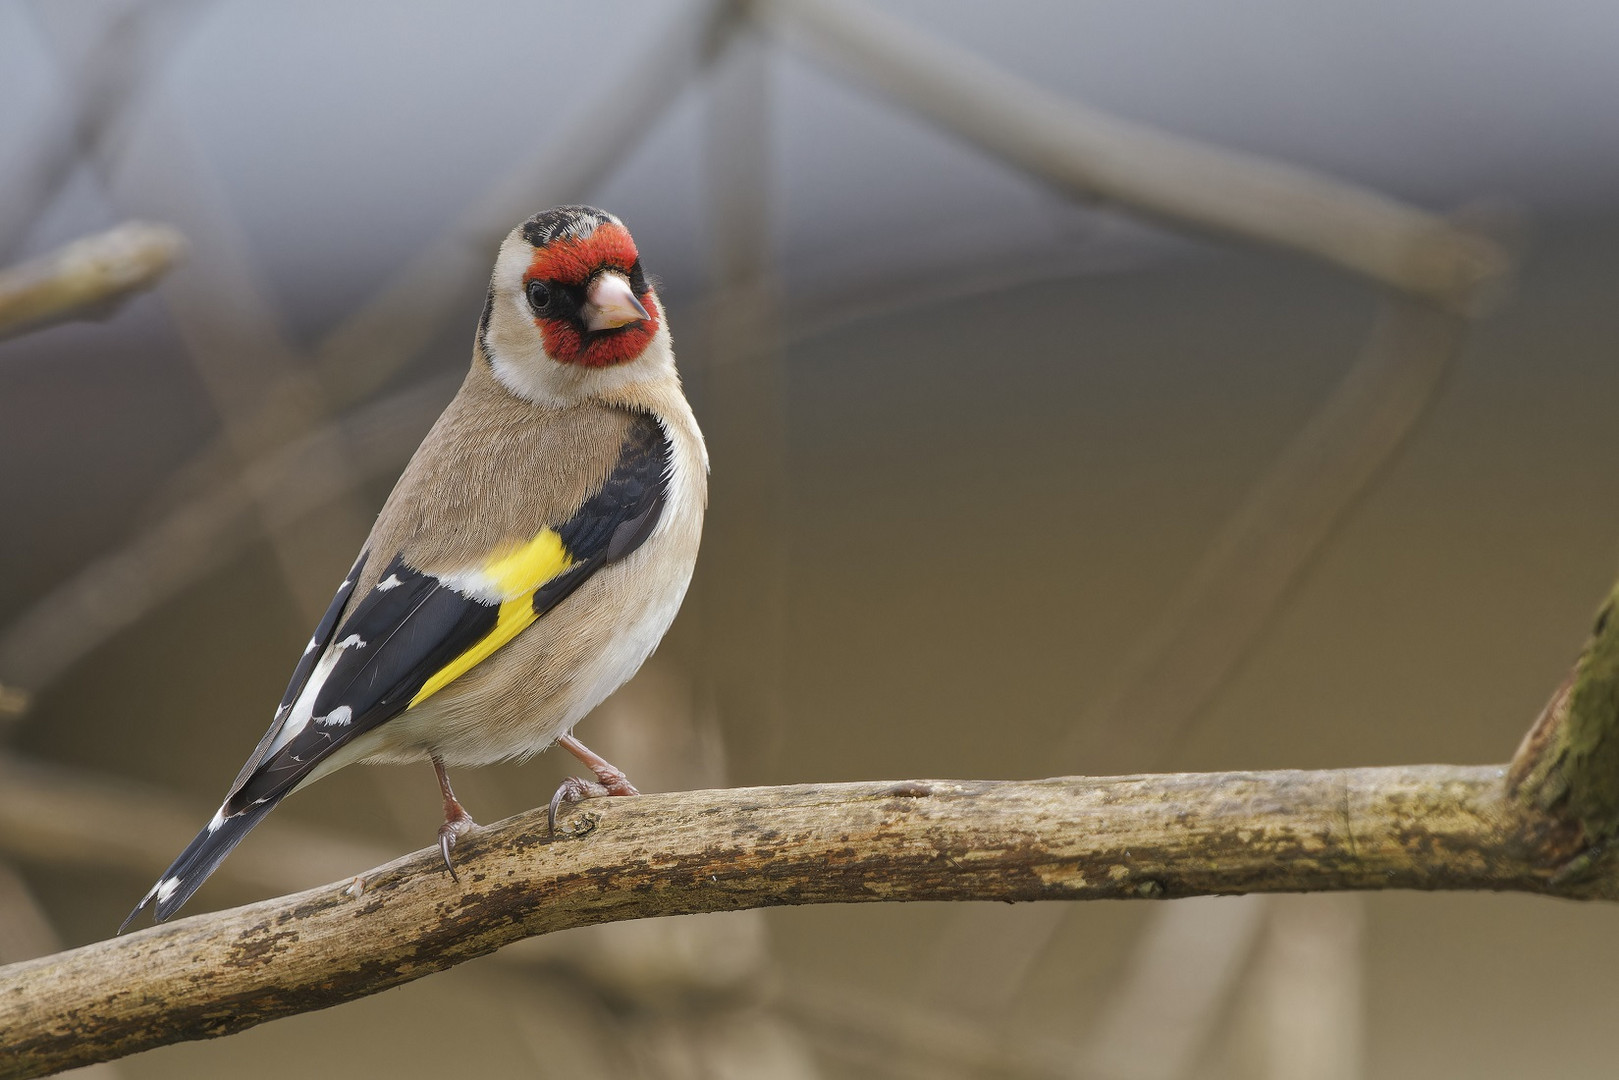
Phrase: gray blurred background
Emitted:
{"points": [[991, 466]]}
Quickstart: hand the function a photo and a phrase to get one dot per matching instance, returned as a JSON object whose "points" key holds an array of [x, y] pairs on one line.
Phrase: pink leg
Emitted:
{"points": [[457, 822], [610, 779]]}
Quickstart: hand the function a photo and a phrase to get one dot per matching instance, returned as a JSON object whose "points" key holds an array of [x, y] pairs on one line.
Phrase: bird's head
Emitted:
{"points": [[570, 311]]}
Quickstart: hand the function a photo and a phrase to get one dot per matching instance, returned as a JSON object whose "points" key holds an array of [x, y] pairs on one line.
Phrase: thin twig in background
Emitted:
{"points": [[1262, 550], [25, 929], [115, 591], [94, 107], [237, 358], [898, 1038], [1216, 619], [58, 815], [1182, 968], [740, 383], [702, 984], [1305, 994], [1085, 152], [87, 279], [223, 311]]}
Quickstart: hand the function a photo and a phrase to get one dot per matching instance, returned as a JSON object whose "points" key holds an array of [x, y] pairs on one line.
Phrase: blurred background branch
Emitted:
{"points": [[1090, 154], [87, 279], [284, 486]]}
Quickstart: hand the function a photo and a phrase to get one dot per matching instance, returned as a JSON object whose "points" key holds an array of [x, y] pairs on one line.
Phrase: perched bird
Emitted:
{"points": [[530, 558]]}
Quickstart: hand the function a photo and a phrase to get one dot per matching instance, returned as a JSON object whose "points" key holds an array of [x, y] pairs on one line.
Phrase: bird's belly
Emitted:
{"points": [[546, 680]]}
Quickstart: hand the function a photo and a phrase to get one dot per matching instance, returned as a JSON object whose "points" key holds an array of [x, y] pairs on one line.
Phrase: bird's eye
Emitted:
{"points": [[539, 297]]}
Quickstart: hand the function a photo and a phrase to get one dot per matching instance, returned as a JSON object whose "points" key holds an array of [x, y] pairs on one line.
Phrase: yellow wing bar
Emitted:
{"points": [[517, 575]]}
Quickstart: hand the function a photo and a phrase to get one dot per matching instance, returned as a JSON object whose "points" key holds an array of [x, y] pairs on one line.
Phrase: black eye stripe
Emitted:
{"points": [[551, 300]]}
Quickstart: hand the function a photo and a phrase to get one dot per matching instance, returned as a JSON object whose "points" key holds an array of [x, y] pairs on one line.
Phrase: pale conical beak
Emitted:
{"points": [[610, 303]]}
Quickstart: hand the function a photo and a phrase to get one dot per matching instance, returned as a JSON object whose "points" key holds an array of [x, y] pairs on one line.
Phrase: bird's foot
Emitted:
{"points": [[453, 829], [575, 789], [457, 822], [610, 779]]}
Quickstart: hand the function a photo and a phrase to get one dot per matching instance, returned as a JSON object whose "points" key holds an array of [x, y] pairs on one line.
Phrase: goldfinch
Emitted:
{"points": [[532, 555]]}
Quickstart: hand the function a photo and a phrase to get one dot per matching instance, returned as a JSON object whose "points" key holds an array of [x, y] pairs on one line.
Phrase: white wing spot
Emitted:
{"points": [[390, 582], [295, 724], [217, 820], [166, 887], [352, 641], [341, 716], [311, 647]]}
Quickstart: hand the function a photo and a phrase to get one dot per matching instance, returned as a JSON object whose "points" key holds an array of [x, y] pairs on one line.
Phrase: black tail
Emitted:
{"points": [[200, 858]]}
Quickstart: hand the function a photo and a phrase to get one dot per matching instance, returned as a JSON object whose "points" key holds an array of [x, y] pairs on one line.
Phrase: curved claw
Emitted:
{"points": [[448, 834], [457, 822], [572, 790], [610, 779]]}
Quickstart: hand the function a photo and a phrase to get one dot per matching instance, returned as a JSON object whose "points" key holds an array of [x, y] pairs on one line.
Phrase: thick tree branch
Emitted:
{"points": [[1421, 827]]}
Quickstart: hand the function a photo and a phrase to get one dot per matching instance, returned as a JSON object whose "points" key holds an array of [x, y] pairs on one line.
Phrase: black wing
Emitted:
{"points": [[316, 648]]}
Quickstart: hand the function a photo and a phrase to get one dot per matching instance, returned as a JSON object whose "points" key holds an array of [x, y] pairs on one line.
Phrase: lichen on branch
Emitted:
{"points": [[1568, 765]]}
